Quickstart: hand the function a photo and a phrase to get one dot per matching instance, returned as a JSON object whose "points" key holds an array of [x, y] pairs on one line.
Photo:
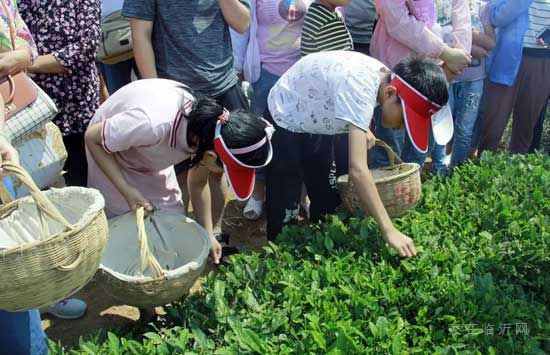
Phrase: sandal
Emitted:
{"points": [[254, 209]]}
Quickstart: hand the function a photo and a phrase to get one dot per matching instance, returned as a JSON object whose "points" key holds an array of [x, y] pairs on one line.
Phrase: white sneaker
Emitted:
{"points": [[69, 308]]}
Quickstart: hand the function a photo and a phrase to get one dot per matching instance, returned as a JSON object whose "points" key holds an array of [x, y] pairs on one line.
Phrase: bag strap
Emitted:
{"points": [[11, 23]]}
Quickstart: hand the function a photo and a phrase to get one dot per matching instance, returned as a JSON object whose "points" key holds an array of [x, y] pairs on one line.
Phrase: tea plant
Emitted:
{"points": [[480, 284]]}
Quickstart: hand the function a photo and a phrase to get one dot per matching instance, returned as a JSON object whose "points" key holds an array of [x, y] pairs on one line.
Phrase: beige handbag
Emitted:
{"points": [[116, 39]]}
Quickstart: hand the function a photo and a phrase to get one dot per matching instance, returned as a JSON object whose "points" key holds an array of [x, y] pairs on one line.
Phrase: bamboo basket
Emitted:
{"points": [[398, 185], [160, 265], [51, 243]]}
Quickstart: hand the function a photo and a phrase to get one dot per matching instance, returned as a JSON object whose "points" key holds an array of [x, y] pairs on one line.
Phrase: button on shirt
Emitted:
{"points": [[325, 92]]}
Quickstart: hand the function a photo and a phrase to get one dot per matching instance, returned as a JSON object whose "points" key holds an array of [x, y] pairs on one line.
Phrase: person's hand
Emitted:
{"points": [[215, 250], [541, 42], [371, 139], [479, 52], [13, 62], [456, 59], [135, 199], [400, 243], [448, 73], [7, 153]]}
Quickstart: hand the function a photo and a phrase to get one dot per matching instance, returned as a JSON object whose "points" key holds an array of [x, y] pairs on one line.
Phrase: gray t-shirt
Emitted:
{"points": [[360, 16], [191, 42]]}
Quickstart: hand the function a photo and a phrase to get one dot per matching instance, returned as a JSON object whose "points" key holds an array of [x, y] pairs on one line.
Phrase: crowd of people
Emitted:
{"points": [[175, 125]]}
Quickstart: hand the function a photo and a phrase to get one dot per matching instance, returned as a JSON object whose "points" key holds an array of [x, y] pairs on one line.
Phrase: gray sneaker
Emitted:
{"points": [[69, 308]]}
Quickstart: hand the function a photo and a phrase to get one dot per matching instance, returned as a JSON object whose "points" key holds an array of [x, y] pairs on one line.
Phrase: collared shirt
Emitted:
{"points": [[145, 131]]}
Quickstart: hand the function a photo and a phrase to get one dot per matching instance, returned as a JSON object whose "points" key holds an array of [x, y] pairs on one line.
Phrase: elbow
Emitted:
{"points": [[243, 26], [89, 138]]}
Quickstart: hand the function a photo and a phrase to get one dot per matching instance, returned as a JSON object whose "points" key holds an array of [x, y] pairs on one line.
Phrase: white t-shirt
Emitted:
{"points": [[325, 92]]}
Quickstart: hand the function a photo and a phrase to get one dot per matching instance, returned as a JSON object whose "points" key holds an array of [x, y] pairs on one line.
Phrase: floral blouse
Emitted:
{"points": [[23, 36], [70, 31]]}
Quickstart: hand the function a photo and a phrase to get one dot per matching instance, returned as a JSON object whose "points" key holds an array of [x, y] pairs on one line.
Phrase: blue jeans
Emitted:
{"points": [[118, 75], [261, 90], [258, 105], [464, 100], [398, 140], [21, 333]]}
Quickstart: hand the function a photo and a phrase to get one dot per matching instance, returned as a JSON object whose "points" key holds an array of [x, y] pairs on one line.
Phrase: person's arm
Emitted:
{"points": [[503, 12], [47, 64], [406, 29], [235, 14], [199, 193], [461, 21], [82, 49], [369, 198], [23, 37], [144, 54], [109, 166], [7, 151]]}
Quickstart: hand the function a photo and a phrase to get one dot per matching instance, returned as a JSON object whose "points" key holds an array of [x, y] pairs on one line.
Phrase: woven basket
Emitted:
{"points": [[52, 243], [157, 267], [398, 185]]}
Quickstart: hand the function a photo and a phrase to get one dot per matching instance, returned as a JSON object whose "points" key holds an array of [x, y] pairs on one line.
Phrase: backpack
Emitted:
{"points": [[116, 39]]}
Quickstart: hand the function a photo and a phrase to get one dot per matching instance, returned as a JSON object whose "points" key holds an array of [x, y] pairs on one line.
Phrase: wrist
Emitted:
{"points": [[387, 229], [445, 53]]}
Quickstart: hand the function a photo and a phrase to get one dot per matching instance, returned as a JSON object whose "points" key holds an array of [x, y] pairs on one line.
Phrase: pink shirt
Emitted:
{"points": [[399, 34], [279, 33], [143, 129]]}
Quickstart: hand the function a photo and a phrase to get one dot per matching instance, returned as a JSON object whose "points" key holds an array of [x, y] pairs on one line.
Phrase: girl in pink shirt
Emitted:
{"points": [[440, 29], [434, 28], [145, 128]]}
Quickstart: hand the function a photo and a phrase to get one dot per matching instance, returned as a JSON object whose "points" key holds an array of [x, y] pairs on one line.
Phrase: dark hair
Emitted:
{"points": [[241, 130], [426, 76]]}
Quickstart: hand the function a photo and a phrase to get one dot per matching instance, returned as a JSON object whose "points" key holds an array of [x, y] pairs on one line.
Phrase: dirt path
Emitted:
{"points": [[103, 314]]}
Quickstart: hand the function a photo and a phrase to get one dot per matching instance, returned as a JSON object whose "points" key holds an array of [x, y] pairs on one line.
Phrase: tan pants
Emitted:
{"points": [[526, 98]]}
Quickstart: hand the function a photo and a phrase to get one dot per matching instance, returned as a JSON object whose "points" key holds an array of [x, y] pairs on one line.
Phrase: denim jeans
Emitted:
{"points": [[119, 74], [464, 100], [21, 333], [261, 90], [399, 141], [258, 106]]}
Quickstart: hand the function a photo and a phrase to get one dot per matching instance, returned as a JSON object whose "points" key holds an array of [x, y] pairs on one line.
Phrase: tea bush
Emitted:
{"points": [[480, 284]]}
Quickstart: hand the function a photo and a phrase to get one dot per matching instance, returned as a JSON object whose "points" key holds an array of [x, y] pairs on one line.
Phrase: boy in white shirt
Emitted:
{"points": [[336, 92]]}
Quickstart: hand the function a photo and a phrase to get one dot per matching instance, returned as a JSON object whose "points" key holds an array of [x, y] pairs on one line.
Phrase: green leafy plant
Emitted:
{"points": [[480, 284]]}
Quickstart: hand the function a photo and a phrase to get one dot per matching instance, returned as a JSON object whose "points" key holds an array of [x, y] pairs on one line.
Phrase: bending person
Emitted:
{"points": [[148, 126], [335, 92]]}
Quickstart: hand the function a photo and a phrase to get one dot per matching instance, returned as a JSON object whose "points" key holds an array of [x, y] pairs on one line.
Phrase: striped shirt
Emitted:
{"points": [[323, 31], [539, 19]]}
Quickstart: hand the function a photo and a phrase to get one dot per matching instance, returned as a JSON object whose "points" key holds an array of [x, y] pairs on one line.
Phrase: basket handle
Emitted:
{"points": [[74, 264], [392, 156], [44, 206], [146, 255]]}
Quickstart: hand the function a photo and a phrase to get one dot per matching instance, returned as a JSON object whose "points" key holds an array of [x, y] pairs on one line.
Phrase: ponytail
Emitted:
{"points": [[241, 129], [201, 125]]}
